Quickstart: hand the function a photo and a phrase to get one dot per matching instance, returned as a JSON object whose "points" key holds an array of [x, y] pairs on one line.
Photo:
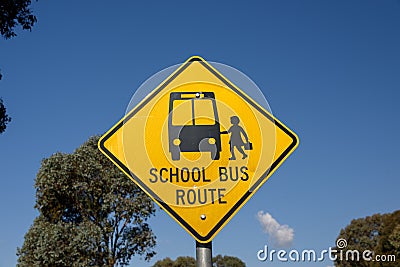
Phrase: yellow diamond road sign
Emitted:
{"points": [[199, 147]]}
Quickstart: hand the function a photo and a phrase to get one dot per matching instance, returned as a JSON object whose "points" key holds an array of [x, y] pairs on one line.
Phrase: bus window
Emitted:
{"points": [[204, 112], [182, 113]]}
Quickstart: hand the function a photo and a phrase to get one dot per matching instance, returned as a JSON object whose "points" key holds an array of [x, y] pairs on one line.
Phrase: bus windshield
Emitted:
{"points": [[195, 111]]}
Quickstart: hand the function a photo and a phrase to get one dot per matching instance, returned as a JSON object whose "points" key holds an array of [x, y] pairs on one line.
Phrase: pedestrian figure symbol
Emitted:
{"points": [[237, 133]]}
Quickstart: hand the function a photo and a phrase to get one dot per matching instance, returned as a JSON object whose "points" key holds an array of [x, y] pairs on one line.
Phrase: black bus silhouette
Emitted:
{"points": [[193, 124]]}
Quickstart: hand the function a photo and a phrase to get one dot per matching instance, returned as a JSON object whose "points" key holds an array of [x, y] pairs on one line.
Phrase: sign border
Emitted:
{"points": [[260, 181]]}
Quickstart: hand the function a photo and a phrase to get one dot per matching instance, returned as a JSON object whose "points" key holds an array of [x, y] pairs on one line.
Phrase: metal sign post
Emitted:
{"points": [[203, 254]]}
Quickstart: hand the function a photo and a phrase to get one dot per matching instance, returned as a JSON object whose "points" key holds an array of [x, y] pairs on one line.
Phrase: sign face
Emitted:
{"points": [[199, 147]]}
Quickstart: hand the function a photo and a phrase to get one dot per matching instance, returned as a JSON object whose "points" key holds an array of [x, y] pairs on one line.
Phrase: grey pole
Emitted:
{"points": [[203, 254]]}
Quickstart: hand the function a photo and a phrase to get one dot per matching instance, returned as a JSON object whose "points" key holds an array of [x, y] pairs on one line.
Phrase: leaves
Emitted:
{"points": [[394, 239], [378, 233], [60, 244], [4, 118], [14, 13], [227, 261], [90, 209], [218, 261]]}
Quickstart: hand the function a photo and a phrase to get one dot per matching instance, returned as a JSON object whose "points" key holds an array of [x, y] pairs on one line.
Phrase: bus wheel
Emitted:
{"points": [[215, 155], [175, 155]]}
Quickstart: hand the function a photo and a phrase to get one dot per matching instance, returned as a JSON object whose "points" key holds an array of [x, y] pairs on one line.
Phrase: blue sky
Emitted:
{"points": [[330, 70]]}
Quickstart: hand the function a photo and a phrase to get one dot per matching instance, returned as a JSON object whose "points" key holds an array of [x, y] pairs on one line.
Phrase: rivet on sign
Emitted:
{"points": [[203, 217]]}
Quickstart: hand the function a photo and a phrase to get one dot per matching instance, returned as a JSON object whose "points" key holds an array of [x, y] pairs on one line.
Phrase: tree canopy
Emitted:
{"points": [[218, 261], [14, 13], [379, 233], [90, 214], [227, 261], [4, 118]]}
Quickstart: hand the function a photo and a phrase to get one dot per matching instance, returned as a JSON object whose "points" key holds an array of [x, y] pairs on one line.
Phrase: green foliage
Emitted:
{"points": [[394, 240], [4, 118], [61, 244], [179, 262], [227, 261], [167, 262], [91, 214], [14, 13], [218, 261], [184, 262], [377, 233]]}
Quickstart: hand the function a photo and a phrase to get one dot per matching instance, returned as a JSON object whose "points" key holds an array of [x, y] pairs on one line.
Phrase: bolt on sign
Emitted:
{"points": [[199, 147]]}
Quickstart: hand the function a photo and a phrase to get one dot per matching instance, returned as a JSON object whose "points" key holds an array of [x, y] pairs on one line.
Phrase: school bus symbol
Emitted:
{"points": [[193, 124]]}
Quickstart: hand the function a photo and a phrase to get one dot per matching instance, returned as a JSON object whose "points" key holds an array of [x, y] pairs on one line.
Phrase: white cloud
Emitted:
{"points": [[280, 235]]}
